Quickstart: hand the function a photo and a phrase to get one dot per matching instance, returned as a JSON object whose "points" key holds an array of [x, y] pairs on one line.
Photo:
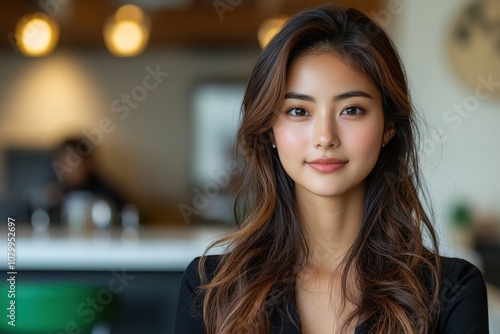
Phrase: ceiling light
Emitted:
{"points": [[126, 33], [36, 35]]}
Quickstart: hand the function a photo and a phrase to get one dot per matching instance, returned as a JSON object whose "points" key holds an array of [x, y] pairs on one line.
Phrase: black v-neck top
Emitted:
{"points": [[464, 306]]}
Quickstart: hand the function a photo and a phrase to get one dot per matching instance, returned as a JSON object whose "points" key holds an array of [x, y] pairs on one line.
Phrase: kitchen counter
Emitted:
{"points": [[148, 249], [150, 254]]}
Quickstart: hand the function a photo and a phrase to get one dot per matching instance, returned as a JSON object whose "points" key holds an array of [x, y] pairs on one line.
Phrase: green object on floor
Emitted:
{"points": [[50, 307]]}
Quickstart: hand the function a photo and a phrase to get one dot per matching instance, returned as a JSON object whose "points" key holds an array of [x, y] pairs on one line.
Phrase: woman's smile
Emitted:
{"points": [[327, 165]]}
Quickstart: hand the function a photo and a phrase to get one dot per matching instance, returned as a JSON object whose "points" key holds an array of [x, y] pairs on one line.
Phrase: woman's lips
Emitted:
{"points": [[327, 165]]}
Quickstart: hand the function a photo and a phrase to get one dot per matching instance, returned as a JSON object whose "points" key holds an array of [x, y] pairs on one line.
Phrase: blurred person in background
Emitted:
{"points": [[77, 174]]}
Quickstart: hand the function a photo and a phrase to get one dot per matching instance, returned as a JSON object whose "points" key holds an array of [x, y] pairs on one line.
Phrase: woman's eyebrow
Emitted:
{"points": [[297, 96], [343, 96], [352, 93]]}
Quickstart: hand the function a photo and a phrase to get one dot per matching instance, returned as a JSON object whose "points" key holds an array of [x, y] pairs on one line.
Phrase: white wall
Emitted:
{"points": [[465, 162]]}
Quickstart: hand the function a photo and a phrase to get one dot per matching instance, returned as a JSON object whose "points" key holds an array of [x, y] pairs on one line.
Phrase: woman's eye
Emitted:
{"points": [[297, 112], [352, 111]]}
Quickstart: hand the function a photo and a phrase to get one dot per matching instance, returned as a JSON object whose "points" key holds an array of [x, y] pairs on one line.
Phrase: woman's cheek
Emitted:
{"points": [[290, 136], [368, 140]]}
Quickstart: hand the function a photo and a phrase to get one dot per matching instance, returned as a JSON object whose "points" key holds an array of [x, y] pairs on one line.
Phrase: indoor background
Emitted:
{"points": [[157, 120]]}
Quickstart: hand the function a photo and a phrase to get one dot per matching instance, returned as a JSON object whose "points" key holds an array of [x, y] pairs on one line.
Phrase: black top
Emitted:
{"points": [[464, 306]]}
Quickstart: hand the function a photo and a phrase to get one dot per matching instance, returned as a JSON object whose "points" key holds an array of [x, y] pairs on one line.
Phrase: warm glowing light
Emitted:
{"points": [[49, 100], [127, 37], [129, 12], [38, 41], [36, 35], [269, 29], [127, 32]]}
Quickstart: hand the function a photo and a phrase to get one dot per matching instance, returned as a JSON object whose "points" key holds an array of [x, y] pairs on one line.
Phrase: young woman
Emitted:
{"points": [[331, 229]]}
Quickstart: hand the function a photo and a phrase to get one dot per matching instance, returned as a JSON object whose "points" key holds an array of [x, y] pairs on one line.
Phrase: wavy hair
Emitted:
{"points": [[398, 275]]}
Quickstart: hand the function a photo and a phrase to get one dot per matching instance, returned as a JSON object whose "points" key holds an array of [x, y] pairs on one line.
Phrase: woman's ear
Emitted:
{"points": [[389, 132], [271, 138]]}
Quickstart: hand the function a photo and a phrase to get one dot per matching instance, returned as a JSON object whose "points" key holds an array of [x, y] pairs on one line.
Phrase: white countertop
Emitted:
{"points": [[165, 249], [149, 249]]}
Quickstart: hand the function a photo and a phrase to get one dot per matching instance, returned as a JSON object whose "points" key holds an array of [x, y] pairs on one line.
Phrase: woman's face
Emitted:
{"points": [[331, 128]]}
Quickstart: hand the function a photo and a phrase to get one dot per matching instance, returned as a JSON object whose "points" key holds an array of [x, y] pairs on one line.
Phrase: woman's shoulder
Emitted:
{"points": [[455, 268], [462, 298], [459, 278], [192, 273], [189, 318], [210, 265]]}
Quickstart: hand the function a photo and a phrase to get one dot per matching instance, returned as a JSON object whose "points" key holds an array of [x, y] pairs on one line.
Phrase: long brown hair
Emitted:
{"points": [[397, 274]]}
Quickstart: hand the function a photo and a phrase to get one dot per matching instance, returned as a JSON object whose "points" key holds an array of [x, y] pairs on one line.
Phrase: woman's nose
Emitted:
{"points": [[325, 132]]}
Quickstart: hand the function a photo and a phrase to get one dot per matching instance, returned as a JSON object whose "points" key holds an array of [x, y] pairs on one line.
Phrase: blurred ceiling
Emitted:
{"points": [[194, 23]]}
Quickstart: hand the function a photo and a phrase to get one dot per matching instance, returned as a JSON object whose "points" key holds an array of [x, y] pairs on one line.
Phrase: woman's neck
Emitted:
{"points": [[330, 225]]}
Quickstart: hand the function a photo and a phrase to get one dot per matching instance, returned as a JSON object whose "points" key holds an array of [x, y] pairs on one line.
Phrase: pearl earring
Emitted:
{"points": [[274, 145]]}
